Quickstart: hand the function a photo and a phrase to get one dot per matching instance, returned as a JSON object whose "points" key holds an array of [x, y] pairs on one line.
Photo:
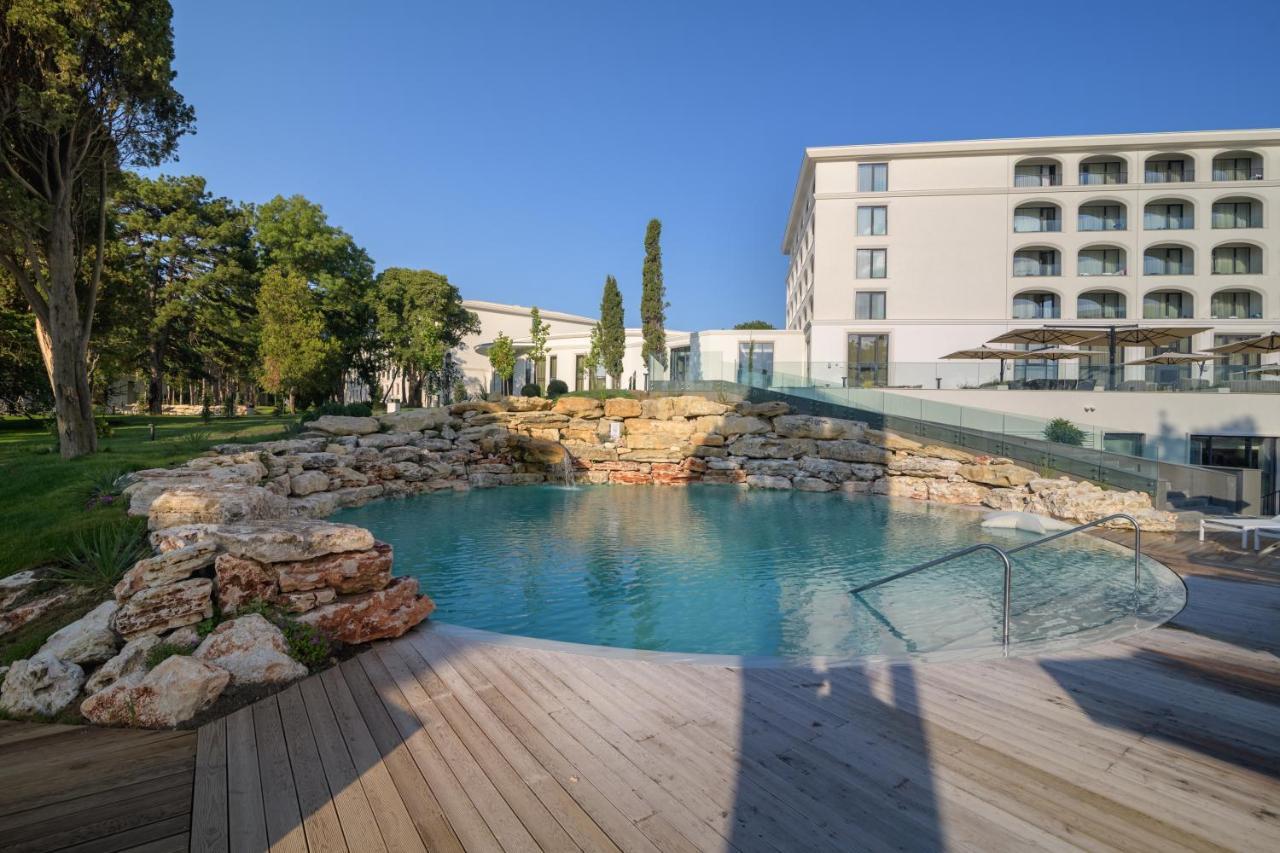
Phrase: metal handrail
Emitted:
{"points": [[984, 546], [1008, 565]]}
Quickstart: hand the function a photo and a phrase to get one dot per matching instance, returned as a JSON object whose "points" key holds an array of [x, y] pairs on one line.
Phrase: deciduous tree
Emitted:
{"points": [[420, 318], [502, 357], [298, 358], [85, 89], [754, 325], [538, 334]]}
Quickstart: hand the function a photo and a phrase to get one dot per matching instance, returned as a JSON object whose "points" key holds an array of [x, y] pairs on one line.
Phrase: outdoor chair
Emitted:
{"points": [[1245, 526]]}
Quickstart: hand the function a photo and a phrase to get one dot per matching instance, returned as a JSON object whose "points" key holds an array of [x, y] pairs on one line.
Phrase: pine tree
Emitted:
{"points": [[613, 331], [297, 358], [653, 297]]}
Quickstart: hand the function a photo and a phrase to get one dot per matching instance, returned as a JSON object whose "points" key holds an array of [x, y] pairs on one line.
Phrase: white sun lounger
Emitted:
{"points": [[1244, 525], [1260, 533]]}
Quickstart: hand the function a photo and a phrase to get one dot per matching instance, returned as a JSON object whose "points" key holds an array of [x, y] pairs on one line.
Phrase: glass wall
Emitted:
{"points": [[1168, 216], [868, 361], [1100, 261], [1236, 305], [1100, 305], [1036, 305], [1234, 366], [755, 363], [1168, 305], [1168, 260], [1237, 213], [1101, 217]]}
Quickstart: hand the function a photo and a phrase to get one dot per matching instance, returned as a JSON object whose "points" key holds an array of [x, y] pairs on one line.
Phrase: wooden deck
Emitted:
{"points": [[1168, 740]]}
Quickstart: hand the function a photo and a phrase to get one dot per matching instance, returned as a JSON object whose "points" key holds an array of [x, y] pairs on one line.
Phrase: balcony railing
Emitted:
{"points": [[1171, 176], [1100, 178]]}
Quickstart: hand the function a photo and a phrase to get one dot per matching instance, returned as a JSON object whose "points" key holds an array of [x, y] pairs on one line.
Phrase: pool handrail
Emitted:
{"points": [[1008, 564]]}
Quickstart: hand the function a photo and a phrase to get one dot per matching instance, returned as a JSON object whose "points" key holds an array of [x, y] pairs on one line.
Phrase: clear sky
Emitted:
{"points": [[520, 147]]}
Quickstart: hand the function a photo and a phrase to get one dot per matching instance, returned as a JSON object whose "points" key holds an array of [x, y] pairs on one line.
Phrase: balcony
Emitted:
{"points": [[1101, 171], [1169, 171]]}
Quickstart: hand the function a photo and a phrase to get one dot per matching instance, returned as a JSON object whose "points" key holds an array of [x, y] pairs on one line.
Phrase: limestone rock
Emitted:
{"points": [[275, 542], [1002, 476], [415, 420], [890, 441], [301, 602], [241, 581], [922, 466], [831, 470], [402, 453], [772, 467], [344, 425], [214, 505], [384, 440], [175, 691], [16, 585], [187, 637], [846, 450], [308, 483], [15, 616], [956, 492], [770, 409], [765, 481], [916, 488], [169, 567], [478, 406], [130, 663], [41, 684], [252, 649], [345, 478], [811, 484], [530, 404], [730, 425], [622, 407], [349, 572], [162, 608], [812, 426], [761, 447], [938, 451], [579, 407], [687, 406], [538, 450], [89, 639], [372, 615]]}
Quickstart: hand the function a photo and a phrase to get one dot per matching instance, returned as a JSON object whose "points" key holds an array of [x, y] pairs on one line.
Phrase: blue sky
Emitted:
{"points": [[520, 147]]}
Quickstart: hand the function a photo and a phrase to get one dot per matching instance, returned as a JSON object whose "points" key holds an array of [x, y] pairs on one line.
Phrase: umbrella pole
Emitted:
{"points": [[1002, 371]]}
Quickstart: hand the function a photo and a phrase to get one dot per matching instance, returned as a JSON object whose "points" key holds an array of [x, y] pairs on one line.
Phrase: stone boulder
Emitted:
{"points": [[385, 440], [89, 639], [770, 409], [349, 572], [957, 492], [939, 451], [241, 581], [214, 505], [163, 608], [41, 684], [812, 426], [730, 425], [253, 650], [846, 450], [278, 541], [811, 484], [651, 434], [890, 441], [537, 450], [1000, 476], [129, 664], [170, 567], [1083, 502], [344, 425], [831, 470], [579, 407], [688, 406], [767, 481], [14, 616], [415, 420], [308, 483], [922, 466], [761, 447], [530, 404], [15, 586], [915, 488], [371, 616], [622, 407], [477, 406], [175, 691]]}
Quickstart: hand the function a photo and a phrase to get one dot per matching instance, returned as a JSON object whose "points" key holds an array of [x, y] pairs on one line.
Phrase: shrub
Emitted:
{"points": [[196, 441], [533, 389], [102, 488], [307, 645], [604, 394], [102, 427], [206, 409], [97, 559], [351, 410], [556, 387], [459, 391], [1063, 431], [165, 650]]}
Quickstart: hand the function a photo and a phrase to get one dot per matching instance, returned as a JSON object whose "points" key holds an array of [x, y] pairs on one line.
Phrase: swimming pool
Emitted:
{"points": [[725, 571]]}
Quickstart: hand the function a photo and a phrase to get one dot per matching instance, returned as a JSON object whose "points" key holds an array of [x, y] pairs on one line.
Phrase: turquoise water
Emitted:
{"points": [[721, 570]]}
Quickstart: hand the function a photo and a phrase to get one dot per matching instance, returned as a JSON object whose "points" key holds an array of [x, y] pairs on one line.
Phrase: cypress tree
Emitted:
{"points": [[613, 330], [653, 297]]}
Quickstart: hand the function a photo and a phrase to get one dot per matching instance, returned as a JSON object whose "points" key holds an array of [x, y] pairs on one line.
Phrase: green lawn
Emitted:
{"points": [[43, 499]]}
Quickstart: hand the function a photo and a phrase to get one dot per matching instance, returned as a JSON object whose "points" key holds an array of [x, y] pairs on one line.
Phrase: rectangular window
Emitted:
{"points": [[1100, 305], [1106, 172], [579, 369], [1167, 217], [868, 361], [1236, 260], [1237, 214], [1102, 217], [1234, 365], [1036, 306], [1236, 305], [873, 221], [1169, 260], [554, 374], [872, 263], [1169, 171], [755, 363], [1101, 262], [873, 177], [1036, 371], [1029, 219], [1036, 175], [868, 305], [1166, 306], [1237, 169]]}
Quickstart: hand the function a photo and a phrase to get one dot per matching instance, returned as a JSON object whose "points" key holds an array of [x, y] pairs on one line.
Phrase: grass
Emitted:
{"points": [[43, 498]]}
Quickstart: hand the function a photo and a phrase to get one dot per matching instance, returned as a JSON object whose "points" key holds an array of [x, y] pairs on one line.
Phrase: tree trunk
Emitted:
{"points": [[62, 343], [155, 380]]}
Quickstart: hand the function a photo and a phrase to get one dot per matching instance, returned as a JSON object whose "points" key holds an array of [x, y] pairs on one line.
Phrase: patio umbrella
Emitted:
{"points": [[1263, 343], [1154, 336], [1046, 335], [1172, 358], [985, 353], [1267, 370], [1048, 354]]}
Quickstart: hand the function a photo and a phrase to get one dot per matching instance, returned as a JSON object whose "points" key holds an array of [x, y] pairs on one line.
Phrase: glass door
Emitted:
{"points": [[755, 363], [868, 361], [680, 365]]}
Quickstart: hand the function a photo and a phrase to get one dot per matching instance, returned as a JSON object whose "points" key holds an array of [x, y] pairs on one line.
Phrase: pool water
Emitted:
{"points": [[722, 570]]}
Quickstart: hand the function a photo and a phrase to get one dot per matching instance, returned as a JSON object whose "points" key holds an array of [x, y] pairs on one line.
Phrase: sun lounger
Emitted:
{"points": [[1244, 525]]}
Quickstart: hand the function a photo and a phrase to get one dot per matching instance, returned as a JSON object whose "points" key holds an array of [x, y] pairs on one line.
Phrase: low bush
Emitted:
{"points": [[307, 645], [1063, 431], [533, 389], [98, 558], [165, 650], [604, 394], [557, 388], [102, 488], [351, 410]]}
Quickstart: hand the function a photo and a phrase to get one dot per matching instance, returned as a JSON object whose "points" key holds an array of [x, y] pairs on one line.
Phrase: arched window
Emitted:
{"points": [[1103, 170], [1237, 212], [1100, 305], [1030, 218], [1168, 214], [1169, 169], [1236, 305], [1168, 305], [1036, 260], [1168, 260], [1102, 215], [1237, 259], [1036, 305], [1037, 172], [1237, 166], [1101, 260]]}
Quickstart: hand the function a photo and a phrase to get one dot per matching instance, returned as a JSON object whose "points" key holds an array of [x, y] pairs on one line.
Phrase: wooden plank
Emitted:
{"points": [[12, 826], [246, 814], [315, 801], [495, 810], [164, 833], [349, 798], [279, 796], [209, 831], [125, 810], [366, 725]]}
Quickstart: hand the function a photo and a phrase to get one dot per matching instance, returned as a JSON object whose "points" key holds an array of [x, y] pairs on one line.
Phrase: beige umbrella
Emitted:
{"points": [[1046, 335], [1155, 336], [1263, 343], [1172, 358], [1267, 370], [1049, 354], [983, 353]]}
